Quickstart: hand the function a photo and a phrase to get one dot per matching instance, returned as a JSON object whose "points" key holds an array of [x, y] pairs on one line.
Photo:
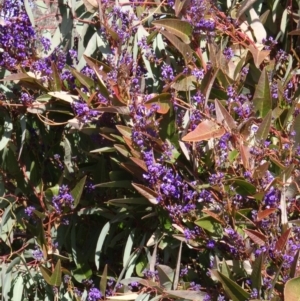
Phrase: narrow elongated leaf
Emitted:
{"points": [[83, 79], [282, 241], [181, 29], [64, 96], [243, 187], [183, 48], [256, 236], [128, 247], [7, 131], [177, 270], [146, 192], [56, 78], [262, 96], [56, 276], [100, 242], [294, 265], [209, 224], [124, 130], [233, 290], [223, 116], [124, 184], [256, 276], [292, 290], [103, 281], [77, 191], [264, 128], [265, 213], [119, 110], [166, 276], [13, 263], [206, 130], [129, 201], [46, 274], [186, 295], [130, 296], [179, 4]]}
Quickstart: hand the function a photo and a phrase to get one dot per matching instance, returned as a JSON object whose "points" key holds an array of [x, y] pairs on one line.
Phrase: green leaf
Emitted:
{"points": [[209, 224], [264, 128], [56, 79], [100, 242], [7, 131], [123, 184], [183, 48], [262, 98], [181, 29], [103, 281], [165, 275], [56, 276], [292, 290], [46, 274], [83, 79], [14, 262], [129, 201], [243, 187], [29, 12], [297, 130], [233, 290], [128, 247], [256, 276], [179, 4], [77, 191], [82, 272], [186, 295]]}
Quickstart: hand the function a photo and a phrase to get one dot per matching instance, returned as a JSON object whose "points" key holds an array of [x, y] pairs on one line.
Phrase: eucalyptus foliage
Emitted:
{"points": [[149, 150]]}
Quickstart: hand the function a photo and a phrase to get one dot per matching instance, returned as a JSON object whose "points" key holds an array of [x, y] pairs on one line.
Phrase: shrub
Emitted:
{"points": [[149, 150]]}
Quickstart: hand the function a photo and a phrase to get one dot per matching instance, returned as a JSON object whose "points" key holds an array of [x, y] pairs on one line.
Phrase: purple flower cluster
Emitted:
{"points": [[167, 73], [63, 199], [228, 53], [83, 112], [29, 211], [94, 294], [38, 254]]}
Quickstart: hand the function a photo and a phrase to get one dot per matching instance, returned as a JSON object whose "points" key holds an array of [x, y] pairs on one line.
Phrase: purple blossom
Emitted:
{"points": [[228, 53], [38, 254], [63, 199], [94, 294], [29, 211], [167, 73]]}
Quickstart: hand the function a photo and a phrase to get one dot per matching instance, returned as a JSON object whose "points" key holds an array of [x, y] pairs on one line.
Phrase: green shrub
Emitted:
{"points": [[149, 150]]}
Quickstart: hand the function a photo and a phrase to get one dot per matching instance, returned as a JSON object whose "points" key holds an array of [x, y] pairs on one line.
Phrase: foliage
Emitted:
{"points": [[149, 150]]}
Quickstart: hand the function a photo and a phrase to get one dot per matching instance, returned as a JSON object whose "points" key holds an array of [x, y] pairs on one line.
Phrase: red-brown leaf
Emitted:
{"points": [[206, 130], [256, 236], [263, 214], [281, 242]]}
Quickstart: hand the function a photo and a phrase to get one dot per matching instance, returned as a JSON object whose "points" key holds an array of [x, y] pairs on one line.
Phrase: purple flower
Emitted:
{"points": [[167, 73], [210, 244], [38, 255], [183, 271], [46, 44], [29, 211], [94, 294], [228, 52], [194, 286], [63, 199]]}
